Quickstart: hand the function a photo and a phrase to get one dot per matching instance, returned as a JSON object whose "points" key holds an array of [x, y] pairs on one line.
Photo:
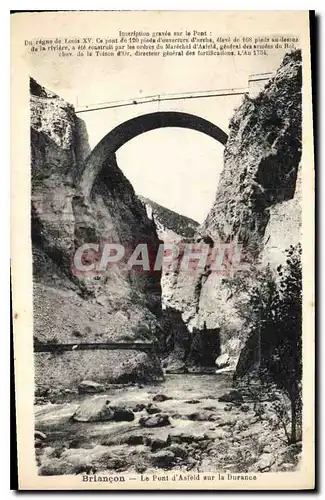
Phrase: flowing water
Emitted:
{"points": [[55, 419], [201, 432]]}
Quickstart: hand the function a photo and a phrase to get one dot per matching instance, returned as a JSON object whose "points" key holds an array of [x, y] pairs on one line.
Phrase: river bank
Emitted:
{"points": [[178, 424]]}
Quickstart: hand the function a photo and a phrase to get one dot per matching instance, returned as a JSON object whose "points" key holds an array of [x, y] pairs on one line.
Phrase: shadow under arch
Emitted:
{"points": [[134, 127]]}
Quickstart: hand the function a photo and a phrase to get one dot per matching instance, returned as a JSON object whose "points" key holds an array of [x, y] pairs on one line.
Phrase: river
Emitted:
{"points": [[199, 433]]}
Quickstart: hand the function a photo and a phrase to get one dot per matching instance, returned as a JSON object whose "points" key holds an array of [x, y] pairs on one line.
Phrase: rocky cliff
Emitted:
{"points": [[261, 159], [171, 226], [72, 307], [182, 350], [257, 206]]}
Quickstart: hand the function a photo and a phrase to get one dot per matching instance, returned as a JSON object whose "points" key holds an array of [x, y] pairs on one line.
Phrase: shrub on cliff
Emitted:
{"points": [[273, 314], [284, 358]]}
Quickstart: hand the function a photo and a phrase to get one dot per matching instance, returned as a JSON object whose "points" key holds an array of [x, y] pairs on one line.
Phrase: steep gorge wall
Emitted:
{"points": [[69, 307], [182, 350], [171, 226], [261, 159], [257, 204]]}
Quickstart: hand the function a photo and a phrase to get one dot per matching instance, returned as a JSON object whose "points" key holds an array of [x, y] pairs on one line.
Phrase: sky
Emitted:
{"points": [[177, 168]]}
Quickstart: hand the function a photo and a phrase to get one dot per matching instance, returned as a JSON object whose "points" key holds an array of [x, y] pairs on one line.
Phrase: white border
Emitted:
{"points": [[5, 176]]}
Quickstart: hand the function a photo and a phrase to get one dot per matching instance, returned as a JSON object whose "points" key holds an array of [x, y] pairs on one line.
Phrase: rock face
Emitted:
{"points": [[257, 206], [170, 225], [195, 348], [261, 159], [74, 307], [140, 367]]}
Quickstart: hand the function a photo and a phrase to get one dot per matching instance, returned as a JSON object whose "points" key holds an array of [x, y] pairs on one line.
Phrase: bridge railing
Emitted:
{"points": [[88, 346], [161, 98]]}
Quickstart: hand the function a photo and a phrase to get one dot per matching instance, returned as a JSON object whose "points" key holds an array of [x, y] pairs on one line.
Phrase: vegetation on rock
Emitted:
{"points": [[273, 315]]}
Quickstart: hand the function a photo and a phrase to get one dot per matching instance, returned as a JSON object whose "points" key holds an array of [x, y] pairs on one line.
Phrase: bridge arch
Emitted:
{"points": [[136, 126]]}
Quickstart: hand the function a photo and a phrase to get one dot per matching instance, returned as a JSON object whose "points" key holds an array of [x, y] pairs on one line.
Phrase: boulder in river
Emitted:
{"points": [[231, 396], [159, 443], [163, 459], [39, 435], [161, 397], [134, 439], [98, 409], [116, 463], [79, 443], [187, 437], [90, 387], [222, 361], [158, 420], [152, 409], [122, 414], [39, 439], [138, 407], [201, 416], [265, 461], [176, 367], [178, 450]]}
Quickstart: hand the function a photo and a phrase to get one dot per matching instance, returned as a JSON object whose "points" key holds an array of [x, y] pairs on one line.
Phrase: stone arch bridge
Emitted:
{"points": [[136, 126], [196, 111]]}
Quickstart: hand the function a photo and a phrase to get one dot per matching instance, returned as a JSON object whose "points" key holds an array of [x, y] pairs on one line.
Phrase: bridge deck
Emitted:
{"points": [[138, 346], [161, 98]]}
